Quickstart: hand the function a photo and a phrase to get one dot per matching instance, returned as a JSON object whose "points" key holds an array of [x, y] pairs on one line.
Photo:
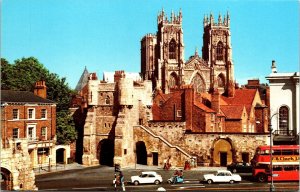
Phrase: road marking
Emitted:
{"points": [[91, 188], [186, 184], [191, 187]]}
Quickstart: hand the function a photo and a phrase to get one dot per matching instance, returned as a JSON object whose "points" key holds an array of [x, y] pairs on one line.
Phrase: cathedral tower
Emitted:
{"points": [[170, 51], [217, 51]]}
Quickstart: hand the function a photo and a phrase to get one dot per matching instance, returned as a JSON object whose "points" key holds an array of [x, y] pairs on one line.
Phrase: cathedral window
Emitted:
{"points": [[173, 80], [221, 82], [172, 49], [198, 84], [220, 53], [283, 120]]}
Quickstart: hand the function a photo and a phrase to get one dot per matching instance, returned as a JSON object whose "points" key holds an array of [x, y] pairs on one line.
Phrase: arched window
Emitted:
{"points": [[283, 120], [220, 54], [107, 100], [198, 84], [172, 49], [221, 82], [173, 80]]}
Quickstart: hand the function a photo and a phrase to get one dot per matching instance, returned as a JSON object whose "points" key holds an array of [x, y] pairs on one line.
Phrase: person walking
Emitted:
{"points": [[121, 177]]}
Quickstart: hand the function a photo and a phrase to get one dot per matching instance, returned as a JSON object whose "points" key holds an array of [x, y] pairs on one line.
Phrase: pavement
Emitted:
{"points": [[74, 166]]}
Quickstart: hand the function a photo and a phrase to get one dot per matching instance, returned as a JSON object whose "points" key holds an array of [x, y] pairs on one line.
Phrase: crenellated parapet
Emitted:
{"points": [[162, 18], [209, 20]]}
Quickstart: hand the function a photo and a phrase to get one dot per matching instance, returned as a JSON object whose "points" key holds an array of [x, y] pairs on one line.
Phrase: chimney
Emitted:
{"points": [[40, 89], [215, 101], [188, 104], [273, 67]]}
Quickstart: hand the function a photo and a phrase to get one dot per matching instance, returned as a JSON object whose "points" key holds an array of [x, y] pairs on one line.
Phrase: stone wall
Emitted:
{"points": [[16, 161]]}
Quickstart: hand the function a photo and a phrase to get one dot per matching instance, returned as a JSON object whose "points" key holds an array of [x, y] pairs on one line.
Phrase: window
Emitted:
{"points": [[198, 84], [172, 49], [179, 113], [283, 120], [107, 100], [31, 114], [221, 80], [44, 133], [277, 168], [220, 55], [31, 132], [15, 133], [212, 116], [245, 128], [44, 114], [172, 80], [15, 113]]}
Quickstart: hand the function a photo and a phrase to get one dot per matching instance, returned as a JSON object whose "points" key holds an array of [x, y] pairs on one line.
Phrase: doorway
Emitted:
{"points": [[223, 159], [155, 158], [141, 153]]}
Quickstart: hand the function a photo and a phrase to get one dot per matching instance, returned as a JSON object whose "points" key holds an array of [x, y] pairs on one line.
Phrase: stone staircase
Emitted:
{"points": [[169, 144]]}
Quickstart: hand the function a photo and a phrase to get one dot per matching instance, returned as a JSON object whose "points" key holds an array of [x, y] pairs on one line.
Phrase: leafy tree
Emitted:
{"points": [[23, 74], [65, 131]]}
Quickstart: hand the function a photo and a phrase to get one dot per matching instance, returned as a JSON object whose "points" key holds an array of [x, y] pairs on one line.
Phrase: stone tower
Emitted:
{"points": [[217, 51], [162, 55]]}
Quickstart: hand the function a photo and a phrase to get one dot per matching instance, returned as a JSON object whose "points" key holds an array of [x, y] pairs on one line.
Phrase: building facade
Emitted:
{"points": [[28, 129], [284, 106]]}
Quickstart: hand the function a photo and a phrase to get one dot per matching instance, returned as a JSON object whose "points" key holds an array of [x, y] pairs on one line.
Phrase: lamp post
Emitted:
{"points": [[272, 187]]}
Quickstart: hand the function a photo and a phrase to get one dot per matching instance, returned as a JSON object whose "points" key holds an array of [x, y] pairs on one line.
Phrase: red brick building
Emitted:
{"points": [[31, 117]]}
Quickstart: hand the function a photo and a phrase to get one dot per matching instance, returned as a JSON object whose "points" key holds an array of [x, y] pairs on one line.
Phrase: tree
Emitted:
{"points": [[23, 74]]}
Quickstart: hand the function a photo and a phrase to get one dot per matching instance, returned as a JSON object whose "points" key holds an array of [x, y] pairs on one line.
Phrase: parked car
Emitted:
{"points": [[240, 167], [222, 176], [147, 177]]}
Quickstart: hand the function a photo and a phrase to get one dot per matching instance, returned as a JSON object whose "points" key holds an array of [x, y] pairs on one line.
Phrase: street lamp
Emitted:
{"points": [[272, 187]]}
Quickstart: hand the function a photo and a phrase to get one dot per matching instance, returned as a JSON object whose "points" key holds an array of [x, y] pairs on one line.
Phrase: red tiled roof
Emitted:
{"points": [[203, 107], [232, 111], [208, 97], [241, 97]]}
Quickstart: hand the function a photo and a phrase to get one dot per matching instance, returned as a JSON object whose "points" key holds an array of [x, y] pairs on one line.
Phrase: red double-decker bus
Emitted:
{"points": [[285, 163]]}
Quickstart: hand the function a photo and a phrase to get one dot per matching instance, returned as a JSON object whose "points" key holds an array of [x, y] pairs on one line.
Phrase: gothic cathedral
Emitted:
{"points": [[162, 56]]}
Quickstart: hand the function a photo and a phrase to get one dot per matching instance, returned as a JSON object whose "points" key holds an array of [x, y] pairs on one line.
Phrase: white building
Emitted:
{"points": [[284, 105]]}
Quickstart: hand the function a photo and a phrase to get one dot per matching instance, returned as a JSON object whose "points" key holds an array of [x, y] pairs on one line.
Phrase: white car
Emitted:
{"points": [[147, 177], [222, 176]]}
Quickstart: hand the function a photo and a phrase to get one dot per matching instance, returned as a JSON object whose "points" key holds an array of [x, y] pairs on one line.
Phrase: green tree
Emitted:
{"points": [[23, 74]]}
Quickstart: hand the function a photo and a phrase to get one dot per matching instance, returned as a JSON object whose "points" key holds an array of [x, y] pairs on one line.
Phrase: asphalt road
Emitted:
{"points": [[100, 179]]}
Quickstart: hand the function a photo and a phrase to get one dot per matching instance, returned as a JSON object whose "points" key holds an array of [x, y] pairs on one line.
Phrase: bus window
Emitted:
{"points": [[296, 152], [297, 167], [277, 152], [289, 168], [277, 168], [265, 152], [287, 152]]}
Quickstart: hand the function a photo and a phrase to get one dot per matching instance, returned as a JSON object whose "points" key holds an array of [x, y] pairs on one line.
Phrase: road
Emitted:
{"points": [[100, 179]]}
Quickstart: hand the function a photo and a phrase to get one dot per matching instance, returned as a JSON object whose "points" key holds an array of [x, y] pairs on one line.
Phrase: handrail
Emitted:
{"points": [[165, 141]]}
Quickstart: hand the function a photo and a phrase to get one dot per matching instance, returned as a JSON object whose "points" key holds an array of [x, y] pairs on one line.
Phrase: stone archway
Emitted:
{"points": [[60, 155], [222, 152], [141, 153], [6, 179], [105, 152]]}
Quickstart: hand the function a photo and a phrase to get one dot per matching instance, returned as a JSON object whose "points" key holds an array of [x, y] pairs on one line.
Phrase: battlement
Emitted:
{"points": [[148, 36], [162, 18], [209, 21]]}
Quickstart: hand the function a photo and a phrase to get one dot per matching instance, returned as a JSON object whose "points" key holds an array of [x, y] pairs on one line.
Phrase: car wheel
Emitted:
{"points": [[136, 183], [156, 182], [234, 171], [261, 177], [209, 181], [231, 181]]}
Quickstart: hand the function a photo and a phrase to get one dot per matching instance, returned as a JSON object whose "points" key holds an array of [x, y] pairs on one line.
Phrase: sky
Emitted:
{"points": [[104, 35]]}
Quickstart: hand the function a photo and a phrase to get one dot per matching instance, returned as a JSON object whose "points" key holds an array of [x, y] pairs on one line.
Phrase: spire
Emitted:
{"points": [[196, 51], [228, 19], [211, 18], [220, 19], [83, 80], [273, 67]]}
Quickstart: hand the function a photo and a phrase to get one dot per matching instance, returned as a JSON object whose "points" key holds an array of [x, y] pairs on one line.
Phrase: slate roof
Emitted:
{"points": [[22, 97], [83, 80]]}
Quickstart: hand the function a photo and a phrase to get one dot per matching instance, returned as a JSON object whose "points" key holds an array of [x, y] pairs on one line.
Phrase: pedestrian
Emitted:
{"points": [[121, 177]]}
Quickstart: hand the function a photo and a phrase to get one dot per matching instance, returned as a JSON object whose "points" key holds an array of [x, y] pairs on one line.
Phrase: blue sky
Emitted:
{"points": [[104, 35]]}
